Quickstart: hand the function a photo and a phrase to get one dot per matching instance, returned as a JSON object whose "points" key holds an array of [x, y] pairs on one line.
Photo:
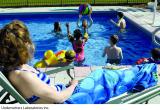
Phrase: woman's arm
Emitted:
{"points": [[44, 91]]}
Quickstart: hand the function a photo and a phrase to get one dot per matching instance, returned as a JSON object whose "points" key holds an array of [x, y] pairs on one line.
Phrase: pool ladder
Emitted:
{"points": [[154, 37]]}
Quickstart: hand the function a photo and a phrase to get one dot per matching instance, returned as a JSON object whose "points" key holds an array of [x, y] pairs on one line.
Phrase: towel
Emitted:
{"points": [[103, 84]]}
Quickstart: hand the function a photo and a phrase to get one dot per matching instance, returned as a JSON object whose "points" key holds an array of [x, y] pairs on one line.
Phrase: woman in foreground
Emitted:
{"points": [[16, 49]]}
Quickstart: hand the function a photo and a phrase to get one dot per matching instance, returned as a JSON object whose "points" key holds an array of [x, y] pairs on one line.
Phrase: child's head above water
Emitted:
{"points": [[57, 27], [114, 39], [77, 34], [120, 15], [70, 55], [84, 23], [155, 54]]}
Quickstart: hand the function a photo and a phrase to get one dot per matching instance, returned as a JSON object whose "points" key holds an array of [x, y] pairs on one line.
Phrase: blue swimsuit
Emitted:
{"points": [[43, 77]]}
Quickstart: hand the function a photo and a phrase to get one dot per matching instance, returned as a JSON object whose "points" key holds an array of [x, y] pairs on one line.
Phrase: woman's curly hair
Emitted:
{"points": [[13, 49]]}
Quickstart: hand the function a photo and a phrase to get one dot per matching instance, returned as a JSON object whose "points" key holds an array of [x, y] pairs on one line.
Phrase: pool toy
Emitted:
{"points": [[103, 84], [50, 58], [85, 9]]}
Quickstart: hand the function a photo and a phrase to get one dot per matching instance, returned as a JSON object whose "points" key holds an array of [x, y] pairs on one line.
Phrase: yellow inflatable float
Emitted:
{"points": [[51, 59]]}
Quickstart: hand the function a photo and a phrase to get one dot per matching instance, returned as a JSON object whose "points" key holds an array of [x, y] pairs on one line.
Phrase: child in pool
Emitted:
{"points": [[84, 25], [78, 42], [67, 60], [154, 59], [113, 52], [57, 30], [59, 59], [121, 21], [57, 27]]}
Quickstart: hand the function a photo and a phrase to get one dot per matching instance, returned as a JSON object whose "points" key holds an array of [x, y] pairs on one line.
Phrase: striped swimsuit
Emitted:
{"points": [[43, 77]]}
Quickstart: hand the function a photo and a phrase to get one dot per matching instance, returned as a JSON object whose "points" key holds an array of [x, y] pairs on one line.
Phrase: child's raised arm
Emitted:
{"points": [[90, 21], [68, 32], [117, 24], [70, 37], [78, 21]]}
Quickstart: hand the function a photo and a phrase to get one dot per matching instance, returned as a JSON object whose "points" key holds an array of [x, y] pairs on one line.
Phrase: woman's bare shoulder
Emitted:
{"points": [[17, 76]]}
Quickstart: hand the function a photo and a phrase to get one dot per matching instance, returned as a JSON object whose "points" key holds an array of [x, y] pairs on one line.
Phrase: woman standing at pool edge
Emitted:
{"points": [[32, 84]]}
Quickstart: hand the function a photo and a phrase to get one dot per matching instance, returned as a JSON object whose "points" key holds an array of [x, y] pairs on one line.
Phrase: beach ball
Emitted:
{"points": [[85, 9]]}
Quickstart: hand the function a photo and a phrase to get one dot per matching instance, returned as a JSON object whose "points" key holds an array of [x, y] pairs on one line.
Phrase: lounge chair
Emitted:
{"points": [[126, 98], [137, 98], [8, 89]]}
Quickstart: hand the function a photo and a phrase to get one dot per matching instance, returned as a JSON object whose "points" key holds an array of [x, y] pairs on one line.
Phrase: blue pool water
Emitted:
{"points": [[134, 43]]}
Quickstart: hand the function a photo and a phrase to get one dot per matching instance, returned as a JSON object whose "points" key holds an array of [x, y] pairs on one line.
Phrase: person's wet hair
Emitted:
{"points": [[120, 14], [70, 55], [114, 39], [155, 53], [57, 27], [84, 20], [78, 50], [77, 34]]}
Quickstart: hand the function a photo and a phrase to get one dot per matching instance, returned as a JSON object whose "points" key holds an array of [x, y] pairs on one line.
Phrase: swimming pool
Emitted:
{"points": [[134, 42]]}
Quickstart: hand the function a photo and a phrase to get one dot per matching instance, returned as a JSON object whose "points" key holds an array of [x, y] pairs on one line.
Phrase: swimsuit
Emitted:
{"points": [[79, 56], [112, 61], [43, 77], [147, 60]]}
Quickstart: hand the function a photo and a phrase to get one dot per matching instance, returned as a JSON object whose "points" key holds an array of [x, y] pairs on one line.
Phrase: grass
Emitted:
{"points": [[21, 3]]}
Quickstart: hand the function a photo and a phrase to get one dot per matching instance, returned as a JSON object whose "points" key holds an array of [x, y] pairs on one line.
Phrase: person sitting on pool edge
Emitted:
{"points": [[84, 25], [59, 59], [32, 84], [78, 42], [154, 59], [121, 21], [114, 53]]}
